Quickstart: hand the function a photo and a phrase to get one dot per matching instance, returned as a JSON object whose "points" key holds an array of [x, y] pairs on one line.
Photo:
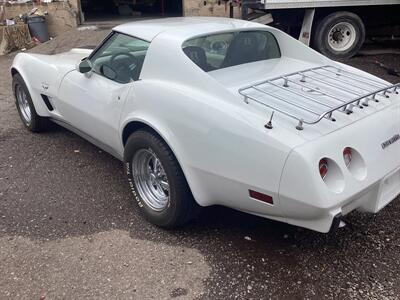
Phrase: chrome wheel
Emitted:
{"points": [[342, 36], [23, 104], [150, 179]]}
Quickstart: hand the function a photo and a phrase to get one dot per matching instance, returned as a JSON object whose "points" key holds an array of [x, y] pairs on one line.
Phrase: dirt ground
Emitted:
{"points": [[68, 228]]}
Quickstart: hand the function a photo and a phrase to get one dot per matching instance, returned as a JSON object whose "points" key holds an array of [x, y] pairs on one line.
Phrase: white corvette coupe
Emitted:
{"points": [[206, 111]]}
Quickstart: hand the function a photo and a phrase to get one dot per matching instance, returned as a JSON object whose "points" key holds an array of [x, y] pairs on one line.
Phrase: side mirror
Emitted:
{"points": [[85, 66]]}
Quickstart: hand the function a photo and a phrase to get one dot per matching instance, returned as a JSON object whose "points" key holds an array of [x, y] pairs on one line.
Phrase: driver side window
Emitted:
{"points": [[120, 58]]}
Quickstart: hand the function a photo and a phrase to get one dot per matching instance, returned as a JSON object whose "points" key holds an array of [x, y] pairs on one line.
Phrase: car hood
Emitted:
{"points": [[63, 62]]}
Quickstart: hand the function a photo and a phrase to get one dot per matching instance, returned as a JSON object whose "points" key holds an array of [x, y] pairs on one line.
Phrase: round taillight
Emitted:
{"points": [[347, 156], [323, 167]]}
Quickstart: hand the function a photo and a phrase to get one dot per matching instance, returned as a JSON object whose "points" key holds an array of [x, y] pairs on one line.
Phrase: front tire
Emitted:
{"points": [[23, 100], [340, 35], [157, 182]]}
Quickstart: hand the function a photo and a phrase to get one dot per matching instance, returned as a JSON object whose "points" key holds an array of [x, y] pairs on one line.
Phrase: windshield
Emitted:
{"points": [[217, 51]]}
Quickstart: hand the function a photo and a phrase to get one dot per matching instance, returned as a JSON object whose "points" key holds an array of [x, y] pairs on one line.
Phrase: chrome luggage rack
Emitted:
{"points": [[329, 82]]}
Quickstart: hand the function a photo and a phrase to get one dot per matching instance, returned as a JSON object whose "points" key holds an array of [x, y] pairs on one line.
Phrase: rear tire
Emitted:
{"points": [[23, 100], [340, 35], [163, 195]]}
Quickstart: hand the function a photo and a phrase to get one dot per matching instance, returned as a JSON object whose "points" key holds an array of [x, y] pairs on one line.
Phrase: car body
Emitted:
{"points": [[256, 135]]}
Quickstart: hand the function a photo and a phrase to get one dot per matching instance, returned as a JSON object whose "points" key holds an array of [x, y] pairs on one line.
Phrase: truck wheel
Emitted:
{"points": [[25, 107], [339, 35], [157, 182]]}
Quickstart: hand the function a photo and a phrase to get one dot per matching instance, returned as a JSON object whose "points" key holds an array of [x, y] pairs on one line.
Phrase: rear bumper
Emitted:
{"points": [[370, 183], [326, 219], [373, 199], [377, 196]]}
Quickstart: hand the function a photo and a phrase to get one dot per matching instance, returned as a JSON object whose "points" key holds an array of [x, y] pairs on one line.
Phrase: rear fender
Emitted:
{"points": [[163, 131], [210, 139]]}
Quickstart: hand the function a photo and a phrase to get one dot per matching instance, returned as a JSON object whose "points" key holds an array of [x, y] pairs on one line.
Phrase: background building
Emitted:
{"points": [[66, 14]]}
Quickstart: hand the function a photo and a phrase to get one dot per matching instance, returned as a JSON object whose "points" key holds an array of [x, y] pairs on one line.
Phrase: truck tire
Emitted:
{"points": [[339, 35], [157, 181]]}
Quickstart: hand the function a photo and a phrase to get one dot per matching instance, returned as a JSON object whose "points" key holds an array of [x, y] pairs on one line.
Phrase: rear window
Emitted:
{"points": [[223, 50]]}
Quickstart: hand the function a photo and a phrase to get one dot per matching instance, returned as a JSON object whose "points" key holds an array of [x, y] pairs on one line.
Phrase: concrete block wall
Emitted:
{"points": [[208, 8], [62, 16]]}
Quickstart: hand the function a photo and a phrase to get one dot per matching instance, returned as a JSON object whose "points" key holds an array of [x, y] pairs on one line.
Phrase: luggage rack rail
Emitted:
{"points": [[370, 88]]}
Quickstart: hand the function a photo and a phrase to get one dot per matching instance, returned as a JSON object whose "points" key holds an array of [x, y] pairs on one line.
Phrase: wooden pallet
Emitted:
{"points": [[13, 38]]}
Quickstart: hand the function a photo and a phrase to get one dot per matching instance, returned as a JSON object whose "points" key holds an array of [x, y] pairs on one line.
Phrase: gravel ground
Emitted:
{"points": [[68, 228]]}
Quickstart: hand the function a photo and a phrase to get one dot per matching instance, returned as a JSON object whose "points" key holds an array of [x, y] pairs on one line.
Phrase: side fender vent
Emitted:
{"points": [[47, 102]]}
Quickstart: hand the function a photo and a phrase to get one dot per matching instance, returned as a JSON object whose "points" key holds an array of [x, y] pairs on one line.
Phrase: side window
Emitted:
{"points": [[208, 52], [224, 50], [120, 58]]}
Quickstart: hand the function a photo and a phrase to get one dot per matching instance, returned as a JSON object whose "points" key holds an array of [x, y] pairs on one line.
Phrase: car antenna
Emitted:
{"points": [[269, 124]]}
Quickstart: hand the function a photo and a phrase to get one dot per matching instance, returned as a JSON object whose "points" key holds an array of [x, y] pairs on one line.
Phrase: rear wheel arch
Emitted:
{"points": [[131, 127], [139, 127], [136, 125]]}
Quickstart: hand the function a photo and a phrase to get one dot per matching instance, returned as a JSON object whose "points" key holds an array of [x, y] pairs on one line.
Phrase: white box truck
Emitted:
{"points": [[336, 28]]}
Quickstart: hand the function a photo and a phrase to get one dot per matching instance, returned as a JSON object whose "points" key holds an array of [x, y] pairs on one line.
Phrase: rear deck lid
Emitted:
{"points": [[318, 99]]}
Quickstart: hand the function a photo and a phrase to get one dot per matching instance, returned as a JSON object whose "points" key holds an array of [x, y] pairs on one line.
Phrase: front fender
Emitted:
{"points": [[43, 73], [30, 76]]}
